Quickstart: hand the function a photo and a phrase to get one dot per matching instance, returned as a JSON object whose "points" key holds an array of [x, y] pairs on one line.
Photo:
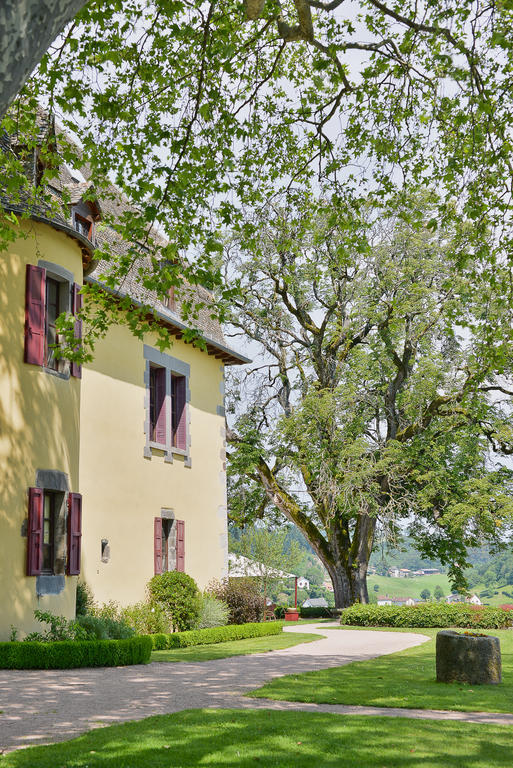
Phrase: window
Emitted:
{"points": [[178, 423], [167, 412], [82, 225], [47, 295], [158, 405], [54, 532], [170, 299], [168, 545], [52, 307], [48, 542]]}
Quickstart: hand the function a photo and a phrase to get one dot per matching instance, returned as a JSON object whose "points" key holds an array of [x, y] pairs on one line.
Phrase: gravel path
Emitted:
{"points": [[40, 707]]}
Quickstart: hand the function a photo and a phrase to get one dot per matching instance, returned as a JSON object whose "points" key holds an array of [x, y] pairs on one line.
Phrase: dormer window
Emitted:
{"points": [[83, 225], [170, 300]]}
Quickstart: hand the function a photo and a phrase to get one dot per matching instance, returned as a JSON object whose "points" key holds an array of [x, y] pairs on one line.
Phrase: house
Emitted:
{"points": [[303, 583], [240, 566], [315, 602], [455, 597], [395, 600], [474, 599], [384, 600], [328, 585], [115, 470]]}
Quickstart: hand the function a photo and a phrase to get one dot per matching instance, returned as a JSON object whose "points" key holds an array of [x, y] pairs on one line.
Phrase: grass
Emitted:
{"points": [[394, 587], [235, 647], [497, 599], [240, 739], [404, 679]]}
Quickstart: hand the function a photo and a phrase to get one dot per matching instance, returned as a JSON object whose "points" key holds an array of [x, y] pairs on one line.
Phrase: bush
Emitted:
{"points": [[147, 618], [104, 629], [179, 594], [84, 599], [215, 635], [60, 628], [317, 612], [67, 654], [110, 610], [427, 615], [242, 597], [213, 612], [279, 611]]}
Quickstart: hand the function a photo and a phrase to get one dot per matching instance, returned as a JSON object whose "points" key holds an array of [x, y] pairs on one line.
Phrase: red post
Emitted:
{"points": [[295, 591]]}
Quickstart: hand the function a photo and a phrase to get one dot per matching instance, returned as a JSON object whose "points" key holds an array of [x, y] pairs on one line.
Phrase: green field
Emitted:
{"points": [[394, 587], [408, 587]]}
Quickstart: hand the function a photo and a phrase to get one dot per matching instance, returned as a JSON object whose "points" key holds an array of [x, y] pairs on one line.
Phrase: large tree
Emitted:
{"points": [[198, 109], [382, 394]]}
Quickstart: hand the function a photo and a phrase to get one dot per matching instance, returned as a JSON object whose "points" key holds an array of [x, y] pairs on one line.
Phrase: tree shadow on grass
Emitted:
{"points": [[226, 738]]}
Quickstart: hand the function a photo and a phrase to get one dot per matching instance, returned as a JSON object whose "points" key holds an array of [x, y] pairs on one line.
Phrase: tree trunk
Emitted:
{"points": [[27, 28]]}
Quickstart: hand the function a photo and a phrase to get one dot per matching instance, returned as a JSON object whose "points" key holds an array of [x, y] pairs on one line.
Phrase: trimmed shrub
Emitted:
{"points": [[427, 615], [215, 635], [213, 612], [179, 594], [104, 629], [317, 612], [68, 654], [147, 618], [279, 611], [243, 598]]}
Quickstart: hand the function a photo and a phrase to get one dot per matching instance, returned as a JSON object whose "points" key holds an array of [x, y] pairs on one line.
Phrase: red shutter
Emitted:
{"points": [[35, 532], [180, 545], [160, 406], [157, 544], [180, 425], [74, 533], [76, 306], [35, 315]]}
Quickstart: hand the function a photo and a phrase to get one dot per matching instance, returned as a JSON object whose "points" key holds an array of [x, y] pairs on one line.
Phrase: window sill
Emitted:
{"points": [[59, 374]]}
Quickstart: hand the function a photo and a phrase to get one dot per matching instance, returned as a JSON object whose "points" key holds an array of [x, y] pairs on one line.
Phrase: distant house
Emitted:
{"points": [[328, 585], [474, 599], [315, 602], [430, 571], [394, 572], [455, 598], [386, 600], [303, 583]]}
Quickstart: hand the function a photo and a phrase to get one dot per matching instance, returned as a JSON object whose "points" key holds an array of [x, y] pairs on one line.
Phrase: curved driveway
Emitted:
{"points": [[40, 707]]}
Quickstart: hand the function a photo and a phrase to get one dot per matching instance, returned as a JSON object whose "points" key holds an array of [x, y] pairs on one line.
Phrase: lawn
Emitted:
{"points": [[404, 679], [240, 739], [235, 647]]}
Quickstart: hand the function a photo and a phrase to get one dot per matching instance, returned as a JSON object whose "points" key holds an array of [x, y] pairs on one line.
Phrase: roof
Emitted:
{"points": [[112, 203], [315, 602], [240, 566]]}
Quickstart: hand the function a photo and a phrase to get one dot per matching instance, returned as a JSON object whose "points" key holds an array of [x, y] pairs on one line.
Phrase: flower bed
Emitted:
{"points": [[67, 654], [162, 642], [427, 615]]}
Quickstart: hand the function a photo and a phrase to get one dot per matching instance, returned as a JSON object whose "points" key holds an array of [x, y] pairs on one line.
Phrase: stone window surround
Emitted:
{"points": [[62, 275], [56, 481], [178, 367]]}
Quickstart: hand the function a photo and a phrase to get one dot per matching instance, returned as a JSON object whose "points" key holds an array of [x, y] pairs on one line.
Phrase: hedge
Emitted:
{"points": [[427, 615], [318, 612], [215, 635], [66, 654]]}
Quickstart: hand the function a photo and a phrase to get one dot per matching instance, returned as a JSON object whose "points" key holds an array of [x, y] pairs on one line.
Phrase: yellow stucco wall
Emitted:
{"points": [[123, 491], [39, 426]]}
